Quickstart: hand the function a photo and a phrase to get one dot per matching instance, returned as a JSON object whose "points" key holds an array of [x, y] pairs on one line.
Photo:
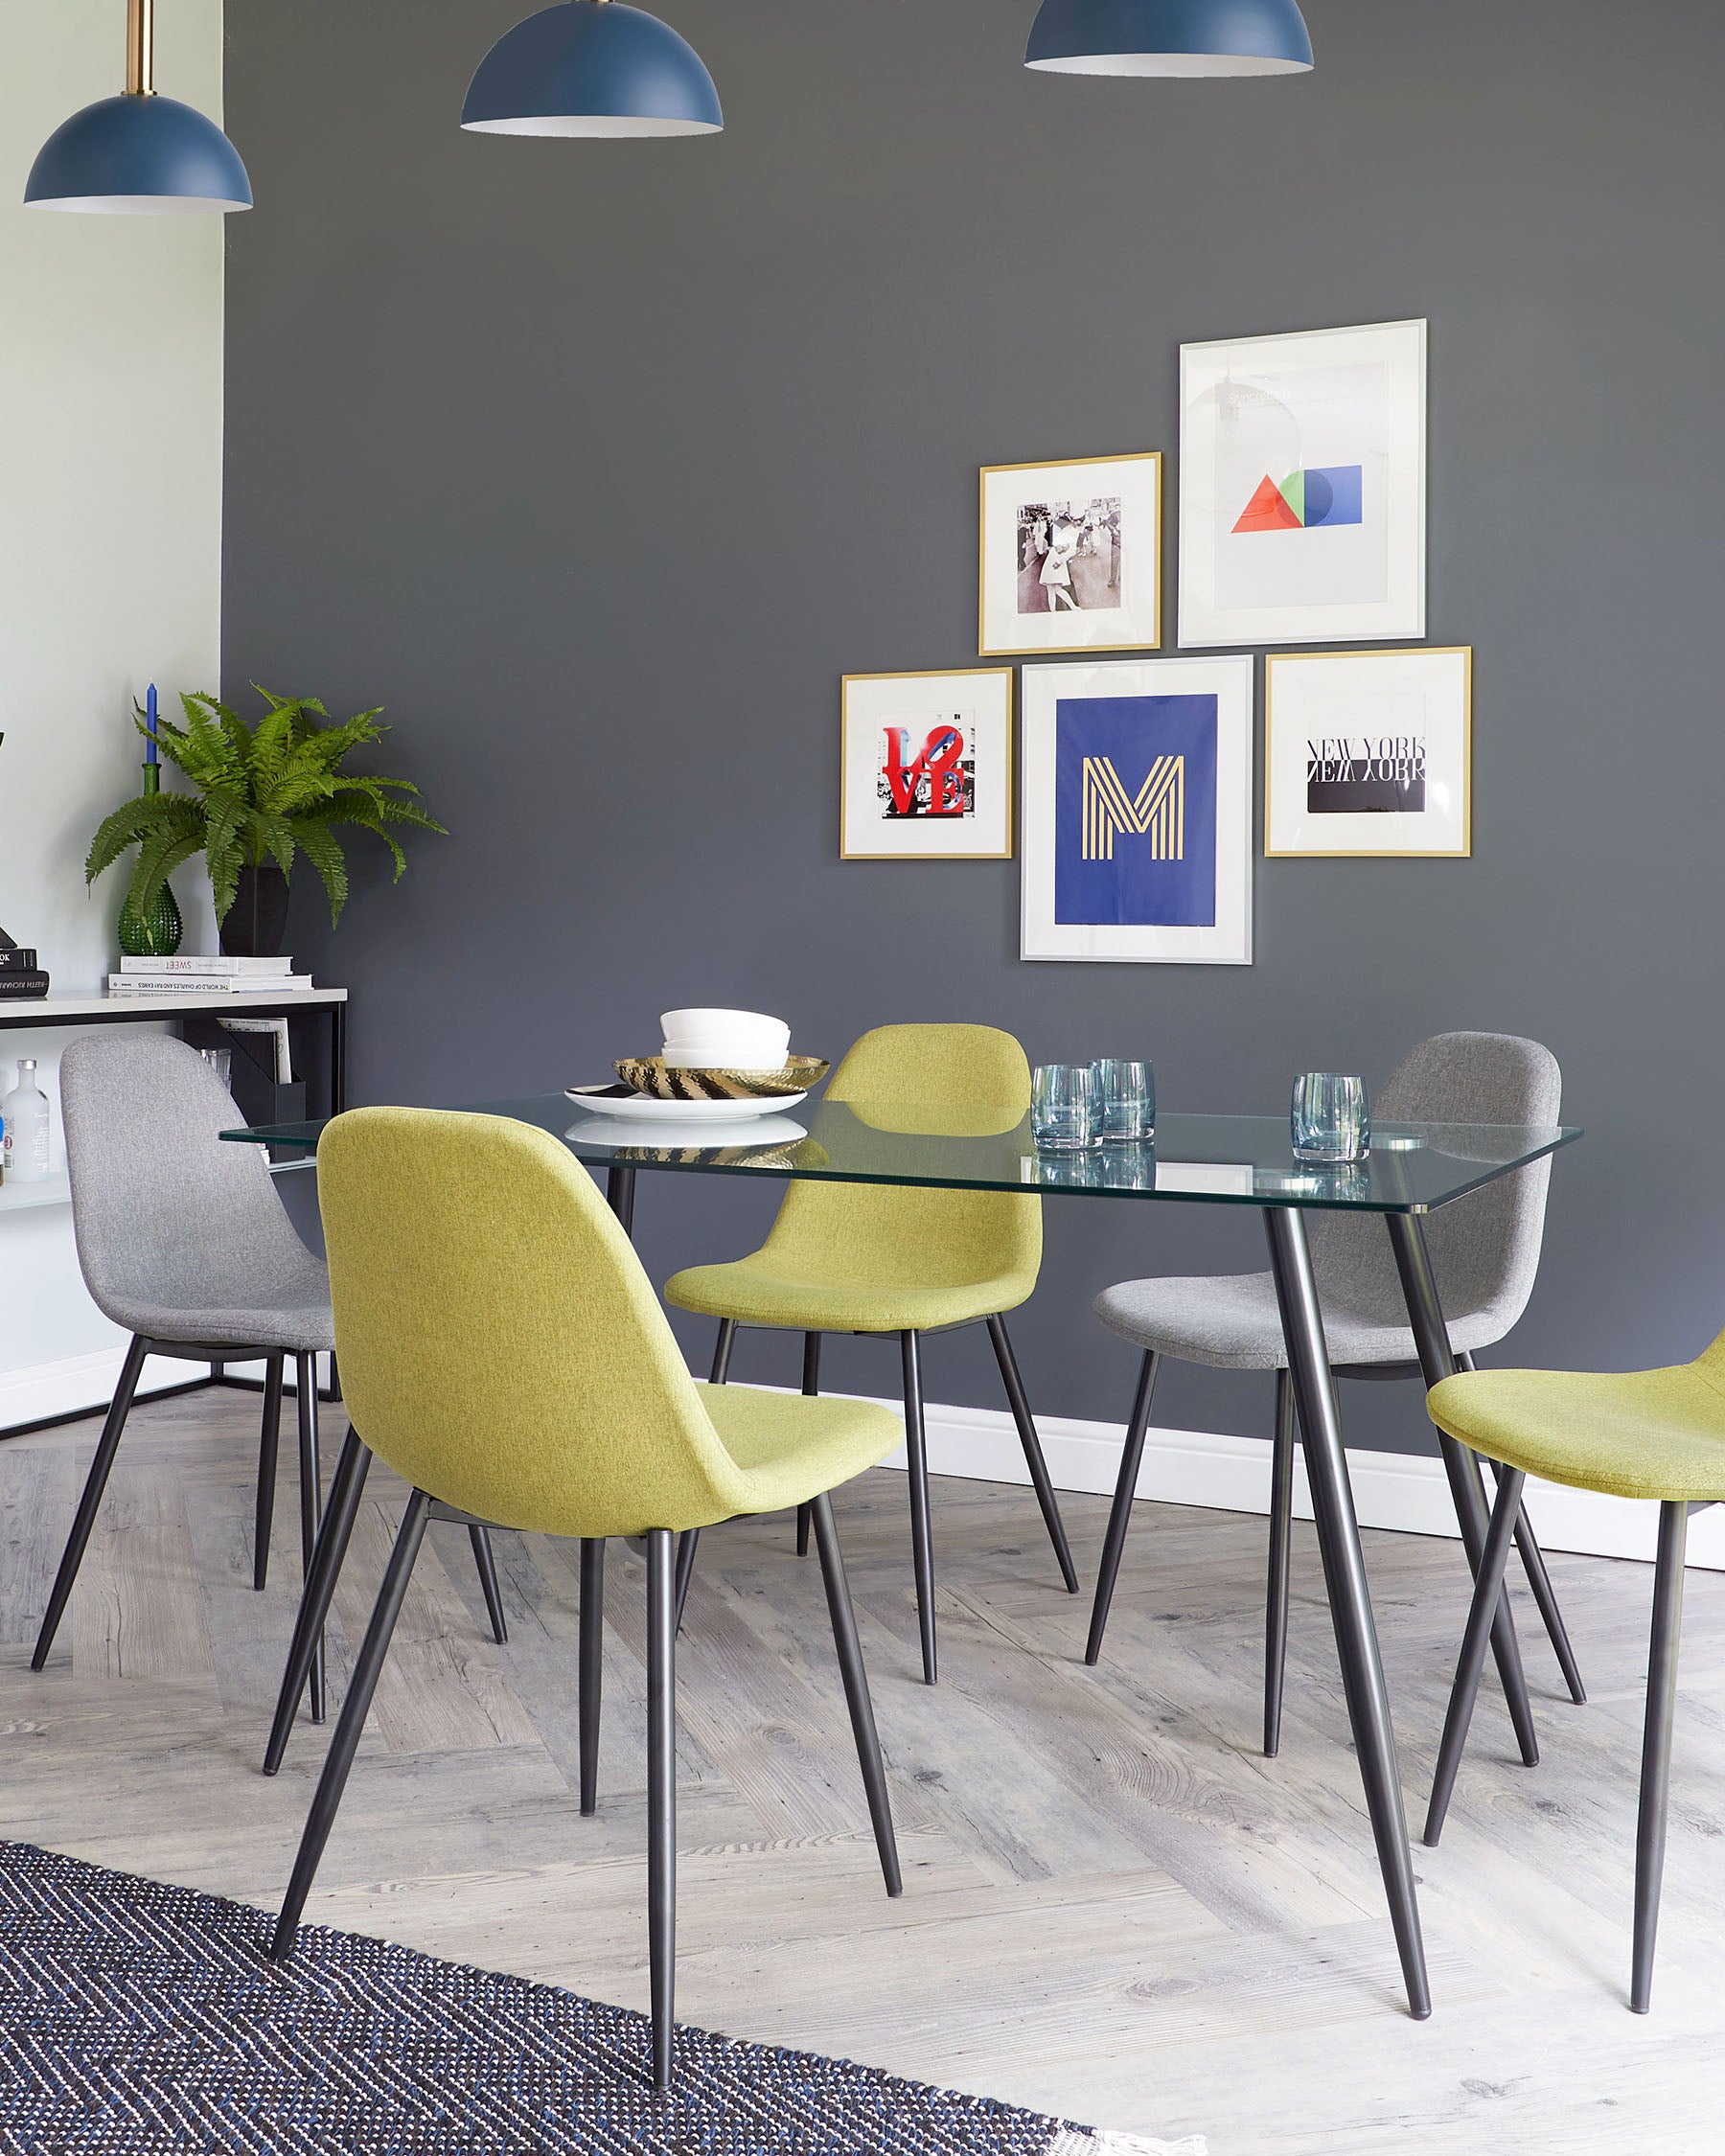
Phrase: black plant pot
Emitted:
{"points": [[257, 921]]}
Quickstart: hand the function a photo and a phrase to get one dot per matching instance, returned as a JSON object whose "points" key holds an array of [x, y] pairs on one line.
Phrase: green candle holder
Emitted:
{"points": [[155, 931]]}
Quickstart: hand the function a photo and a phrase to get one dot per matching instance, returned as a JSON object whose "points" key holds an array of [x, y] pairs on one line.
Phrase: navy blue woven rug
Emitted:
{"points": [[137, 2018]]}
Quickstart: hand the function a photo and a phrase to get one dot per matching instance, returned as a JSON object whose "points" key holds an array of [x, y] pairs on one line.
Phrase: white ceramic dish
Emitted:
{"points": [[759, 1132], [638, 1109]]}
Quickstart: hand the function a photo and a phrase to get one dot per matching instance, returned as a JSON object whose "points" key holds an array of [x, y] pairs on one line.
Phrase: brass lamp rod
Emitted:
{"points": [[140, 48]]}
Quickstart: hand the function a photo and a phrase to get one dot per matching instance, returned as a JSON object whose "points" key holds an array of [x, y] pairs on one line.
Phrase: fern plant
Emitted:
{"points": [[264, 793]]}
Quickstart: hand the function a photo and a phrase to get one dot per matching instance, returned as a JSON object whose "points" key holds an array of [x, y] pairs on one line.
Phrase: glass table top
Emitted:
{"points": [[1208, 1159]]}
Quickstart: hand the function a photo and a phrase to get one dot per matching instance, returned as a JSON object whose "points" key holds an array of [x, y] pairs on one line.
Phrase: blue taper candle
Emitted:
{"points": [[150, 720]]}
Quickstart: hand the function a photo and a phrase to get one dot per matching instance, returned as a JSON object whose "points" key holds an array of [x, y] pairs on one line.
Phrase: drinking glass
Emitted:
{"points": [[220, 1060], [1125, 1107], [1063, 1107], [1330, 1117]]}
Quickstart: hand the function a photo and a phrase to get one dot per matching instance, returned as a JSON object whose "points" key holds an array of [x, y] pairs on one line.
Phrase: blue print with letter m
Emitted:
{"points": [[1134, 839]]}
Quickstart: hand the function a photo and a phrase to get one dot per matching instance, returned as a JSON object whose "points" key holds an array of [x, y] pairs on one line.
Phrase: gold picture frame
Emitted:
{"points": [[873, 702], [1006, 498], [1399, 671]]}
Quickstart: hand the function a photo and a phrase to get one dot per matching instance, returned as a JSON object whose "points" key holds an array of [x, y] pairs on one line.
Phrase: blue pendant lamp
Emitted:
{"points": [[139, 155], [592, 67], [1169, 37]]}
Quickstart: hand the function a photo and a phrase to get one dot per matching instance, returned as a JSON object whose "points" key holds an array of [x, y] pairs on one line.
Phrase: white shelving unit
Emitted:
{"points": [[24, 1196]]}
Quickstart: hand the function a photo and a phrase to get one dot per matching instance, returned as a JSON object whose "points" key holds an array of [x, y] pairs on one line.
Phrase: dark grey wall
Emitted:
{"points": [[598, 464]]}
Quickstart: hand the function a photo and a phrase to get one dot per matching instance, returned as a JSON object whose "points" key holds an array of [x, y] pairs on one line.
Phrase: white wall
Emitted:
{"points": [[110, 538]]}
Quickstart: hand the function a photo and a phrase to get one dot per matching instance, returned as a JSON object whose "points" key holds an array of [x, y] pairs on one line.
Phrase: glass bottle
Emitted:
{"points": [[25, 1114]]}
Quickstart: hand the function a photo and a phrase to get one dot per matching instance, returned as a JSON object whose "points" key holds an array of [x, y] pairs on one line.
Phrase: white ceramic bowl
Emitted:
{"points": [[734, 1040]]}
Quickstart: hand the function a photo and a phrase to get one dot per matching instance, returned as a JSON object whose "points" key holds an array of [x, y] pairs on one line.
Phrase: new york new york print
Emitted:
{"points": [[1135, 840]]}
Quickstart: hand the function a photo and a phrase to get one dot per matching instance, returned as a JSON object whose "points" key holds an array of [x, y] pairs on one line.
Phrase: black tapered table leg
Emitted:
{"points": [[1025, 1423], [922, 1533], [1488, 1585], [661, 1798], [687, 1544], [592, 1654], [856, 1690], [1467, 1490], [311, 1497], [330, 1783], [485, 1560], [619, 1194], [1282, 1539], [1119, 1517], [269, 1441], [333, 1538], [811, 1384], [1656, 1748], [1345, 1580], [722, 1351], [95, 1483]]}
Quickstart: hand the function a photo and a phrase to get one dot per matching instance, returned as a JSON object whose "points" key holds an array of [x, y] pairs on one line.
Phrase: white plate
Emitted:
{"points": [[763, 1132], [636, 1107]]}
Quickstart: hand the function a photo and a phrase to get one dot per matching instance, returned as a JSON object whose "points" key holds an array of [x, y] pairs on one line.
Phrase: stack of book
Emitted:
{"points": [[207, 977], [22, 979]]}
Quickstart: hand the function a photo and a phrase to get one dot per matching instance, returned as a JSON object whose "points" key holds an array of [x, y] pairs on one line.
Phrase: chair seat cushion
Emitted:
{"points": [[790, 1449], [291, 1311], [1231, 1321], [1639, 1433], [757, 1290]]}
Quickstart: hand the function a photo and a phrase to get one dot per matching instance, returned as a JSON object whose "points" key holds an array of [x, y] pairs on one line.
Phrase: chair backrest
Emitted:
{"points": [[1484, 1248], [164, 1212], [953, 1079], [498, 1342]]}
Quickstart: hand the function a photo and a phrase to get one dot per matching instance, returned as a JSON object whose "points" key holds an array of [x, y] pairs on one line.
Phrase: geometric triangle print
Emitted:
{"points": [[1269, 510]]}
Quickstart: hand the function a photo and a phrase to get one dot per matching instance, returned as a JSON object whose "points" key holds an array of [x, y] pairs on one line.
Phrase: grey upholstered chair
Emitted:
{"points": [[183, 1242], [1485, 1253]]}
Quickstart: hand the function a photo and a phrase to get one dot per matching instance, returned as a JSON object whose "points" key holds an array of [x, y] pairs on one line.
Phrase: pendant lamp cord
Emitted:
{"points": [[140, 48]]}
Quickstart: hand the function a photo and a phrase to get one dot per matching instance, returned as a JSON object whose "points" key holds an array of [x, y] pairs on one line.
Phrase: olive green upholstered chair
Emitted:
{"points": [[865, 1258], [1658, 1435], [503, 1351]]}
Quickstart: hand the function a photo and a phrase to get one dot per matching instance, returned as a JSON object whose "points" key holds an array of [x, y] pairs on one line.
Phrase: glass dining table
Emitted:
{"points": [[1240, 1161]]}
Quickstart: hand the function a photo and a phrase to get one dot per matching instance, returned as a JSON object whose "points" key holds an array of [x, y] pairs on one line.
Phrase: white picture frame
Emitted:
{"points": [[901, 784], [1303, 487], [1070, 555], [1368, 754], [1136, 812]]}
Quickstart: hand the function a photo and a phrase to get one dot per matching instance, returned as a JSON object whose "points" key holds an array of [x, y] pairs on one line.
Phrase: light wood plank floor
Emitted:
{"points": [[1115, 1909]]}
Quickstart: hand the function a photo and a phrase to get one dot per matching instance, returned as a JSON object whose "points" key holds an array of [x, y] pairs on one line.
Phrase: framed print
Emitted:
{"points": [[927, 766], [1138, 812], [1368, 753], [1071, 556], [1303, 487]]}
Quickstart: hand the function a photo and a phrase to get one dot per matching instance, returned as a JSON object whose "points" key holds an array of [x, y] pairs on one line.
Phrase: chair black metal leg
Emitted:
{"points": [[922, 1536], [311, 1495], [1281, 1537], [485, 1559], [1488, 1587], [1344, 1581], [1120, 1518], [661, 1798], [332, 1539], [1656, 1747], [687, 1544], [722, 1350], [1033, 1452], [811, 1384], [352, 1720], [856, 1690], [95, 1483], [1467, 1491], [591, 1668], [1545, 1594], [269, 1441]]}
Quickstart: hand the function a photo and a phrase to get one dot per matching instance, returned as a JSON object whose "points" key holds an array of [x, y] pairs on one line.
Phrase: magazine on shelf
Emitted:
{"points": [[184, 964], [188, 984]]}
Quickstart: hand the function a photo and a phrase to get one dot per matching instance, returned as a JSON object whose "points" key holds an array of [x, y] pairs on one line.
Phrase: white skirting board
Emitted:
{"points": [[86, 1383], [1394, 1490]]}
